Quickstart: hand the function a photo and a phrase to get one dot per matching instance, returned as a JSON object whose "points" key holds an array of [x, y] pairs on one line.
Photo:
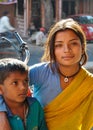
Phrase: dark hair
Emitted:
{"points": [[65, 24], [9, 65]]}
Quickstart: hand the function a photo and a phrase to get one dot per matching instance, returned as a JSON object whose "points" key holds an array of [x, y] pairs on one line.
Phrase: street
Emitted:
{"points": [[36, 53]]}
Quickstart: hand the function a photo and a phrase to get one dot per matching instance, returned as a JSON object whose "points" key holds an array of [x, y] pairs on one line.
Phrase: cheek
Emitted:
{"points": [[58, 55], [58, 52], [78, 53], [1, 91], [79, 50], [8, 91]]}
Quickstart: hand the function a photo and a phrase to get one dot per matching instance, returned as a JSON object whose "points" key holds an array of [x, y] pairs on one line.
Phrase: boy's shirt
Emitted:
{"points": [[34, 120]]}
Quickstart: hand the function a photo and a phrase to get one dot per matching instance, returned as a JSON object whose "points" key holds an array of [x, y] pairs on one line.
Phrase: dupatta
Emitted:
{"points": [[72, 109]]}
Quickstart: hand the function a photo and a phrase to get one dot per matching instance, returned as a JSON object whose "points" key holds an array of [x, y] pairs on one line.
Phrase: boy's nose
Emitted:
{"points": [[22, 86]]}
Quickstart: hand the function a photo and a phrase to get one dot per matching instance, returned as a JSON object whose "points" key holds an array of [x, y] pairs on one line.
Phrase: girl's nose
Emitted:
{"points": [[66, 48]]}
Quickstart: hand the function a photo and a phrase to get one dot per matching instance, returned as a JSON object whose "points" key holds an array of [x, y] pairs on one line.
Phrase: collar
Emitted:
{"points": [[29, 100]]}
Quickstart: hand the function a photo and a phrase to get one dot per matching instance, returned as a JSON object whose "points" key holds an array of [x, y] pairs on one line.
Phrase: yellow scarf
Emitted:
{"points": [[72, 109]]}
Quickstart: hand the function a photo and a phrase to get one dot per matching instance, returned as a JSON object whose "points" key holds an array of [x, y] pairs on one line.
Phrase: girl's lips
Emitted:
{"points": [[67, 57]]}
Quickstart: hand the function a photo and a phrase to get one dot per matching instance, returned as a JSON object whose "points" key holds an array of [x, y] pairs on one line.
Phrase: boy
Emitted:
{"points": [[24, 113]]}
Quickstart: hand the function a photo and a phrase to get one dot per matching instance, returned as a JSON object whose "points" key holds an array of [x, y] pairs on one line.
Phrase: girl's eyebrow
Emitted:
{"points": [[75, 39], [57, 41], [69, 40]]}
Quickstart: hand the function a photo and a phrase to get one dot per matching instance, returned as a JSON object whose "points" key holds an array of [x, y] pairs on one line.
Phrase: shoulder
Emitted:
{"points": [[88, 76], [41, 69], [40, 66], [33, 101], [38, 33], [87, 71], [41, 73], [4, 18]]}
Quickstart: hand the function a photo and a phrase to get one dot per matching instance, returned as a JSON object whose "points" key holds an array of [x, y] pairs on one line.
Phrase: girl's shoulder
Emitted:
{"points": [[40, 66]]}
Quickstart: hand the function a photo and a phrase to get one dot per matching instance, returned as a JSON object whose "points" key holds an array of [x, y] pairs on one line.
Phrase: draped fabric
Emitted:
{"points": [[72, 109]]}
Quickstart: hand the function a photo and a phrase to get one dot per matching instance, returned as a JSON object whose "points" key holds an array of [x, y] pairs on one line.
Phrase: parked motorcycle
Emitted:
{"points": [[14, 47]]}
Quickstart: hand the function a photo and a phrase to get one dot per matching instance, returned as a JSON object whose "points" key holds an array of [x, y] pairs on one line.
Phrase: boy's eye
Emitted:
{"points": [[26, 81], [15, 83]]}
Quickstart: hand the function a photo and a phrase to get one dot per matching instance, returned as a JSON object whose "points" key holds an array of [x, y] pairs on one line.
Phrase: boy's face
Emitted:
{"points": [[15, 87]]}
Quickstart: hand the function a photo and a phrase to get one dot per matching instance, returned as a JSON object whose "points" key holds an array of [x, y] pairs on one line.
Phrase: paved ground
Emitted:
{"points": [[36, 53]]}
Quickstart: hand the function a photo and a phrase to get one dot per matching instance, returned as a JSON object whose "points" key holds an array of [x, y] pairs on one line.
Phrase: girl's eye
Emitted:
{"points": [[58, 45], [74, 43]]}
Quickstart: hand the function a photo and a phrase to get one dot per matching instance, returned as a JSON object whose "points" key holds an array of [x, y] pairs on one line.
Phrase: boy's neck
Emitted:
{"points": [[20, 110], [14, 105]]}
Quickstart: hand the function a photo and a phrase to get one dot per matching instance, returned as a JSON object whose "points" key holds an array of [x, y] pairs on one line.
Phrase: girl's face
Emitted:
{"points": [[68, 48], [15, 87]]}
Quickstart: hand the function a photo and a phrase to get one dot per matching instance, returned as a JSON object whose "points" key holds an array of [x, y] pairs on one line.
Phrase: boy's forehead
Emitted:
{"points": [[17, 76], [18, 73]]}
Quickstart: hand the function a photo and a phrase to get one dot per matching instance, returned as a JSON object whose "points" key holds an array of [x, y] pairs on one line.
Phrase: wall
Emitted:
{"points": [[8, 8]]}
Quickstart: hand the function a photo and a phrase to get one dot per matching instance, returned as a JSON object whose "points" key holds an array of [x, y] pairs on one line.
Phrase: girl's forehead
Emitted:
{"points": [[66, 31], [66, 34]]}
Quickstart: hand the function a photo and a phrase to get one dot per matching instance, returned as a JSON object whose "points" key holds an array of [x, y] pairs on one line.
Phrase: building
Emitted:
{"points": [[69, 7], [26, 11], [10, 7]]}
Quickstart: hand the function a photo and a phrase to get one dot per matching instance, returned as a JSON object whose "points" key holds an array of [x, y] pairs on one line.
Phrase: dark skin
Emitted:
{"points": [[5, 125], [22, 86]]}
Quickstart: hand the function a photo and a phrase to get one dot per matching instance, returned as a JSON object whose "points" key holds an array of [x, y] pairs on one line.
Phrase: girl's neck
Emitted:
{"points": [[68, 70], [67, 74]]}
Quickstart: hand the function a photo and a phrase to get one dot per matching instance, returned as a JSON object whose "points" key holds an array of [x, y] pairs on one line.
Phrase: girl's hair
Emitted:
{"points": [[65, 24], [9, 65]]}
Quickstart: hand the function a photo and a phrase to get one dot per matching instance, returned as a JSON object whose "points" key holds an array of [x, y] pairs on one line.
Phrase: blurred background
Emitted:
{"points": [[44, 13]]}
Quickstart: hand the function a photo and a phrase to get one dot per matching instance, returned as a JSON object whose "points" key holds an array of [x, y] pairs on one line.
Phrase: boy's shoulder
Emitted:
{"points": [[32, 100]]}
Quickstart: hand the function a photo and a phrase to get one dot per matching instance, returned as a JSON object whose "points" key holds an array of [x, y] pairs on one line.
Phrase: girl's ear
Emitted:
{"points": [[83, 49], [1, 91]]}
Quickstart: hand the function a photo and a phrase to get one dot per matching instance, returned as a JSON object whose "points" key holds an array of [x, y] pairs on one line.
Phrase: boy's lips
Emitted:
{"points": [[23, 94]]}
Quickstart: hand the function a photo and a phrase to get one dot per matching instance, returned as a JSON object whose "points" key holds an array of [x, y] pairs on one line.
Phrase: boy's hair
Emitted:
{"points": [[9, 65]]}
